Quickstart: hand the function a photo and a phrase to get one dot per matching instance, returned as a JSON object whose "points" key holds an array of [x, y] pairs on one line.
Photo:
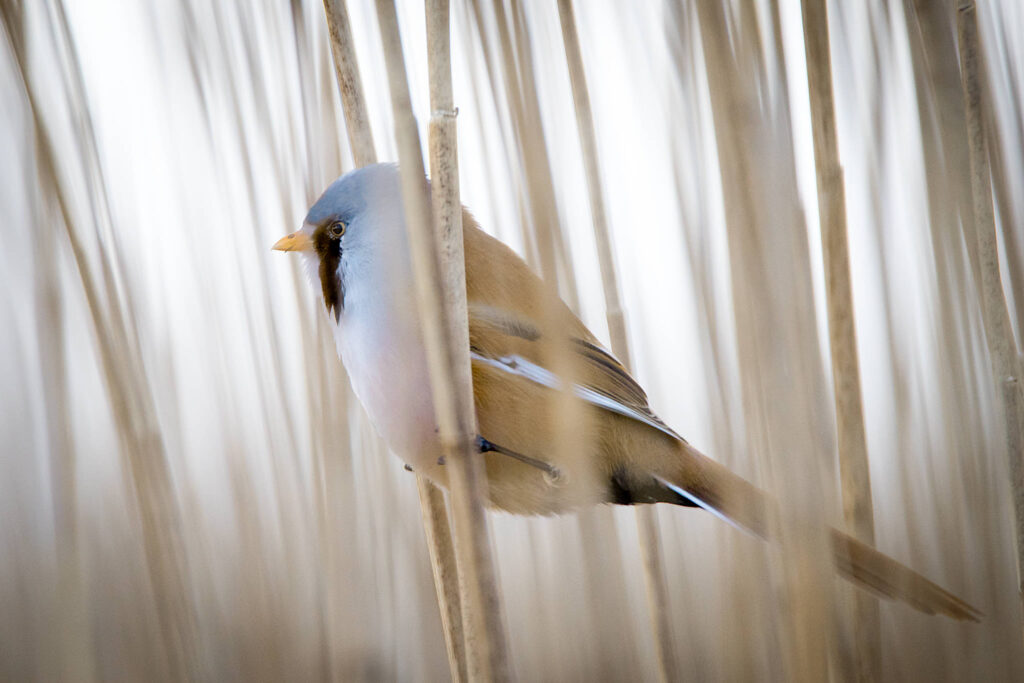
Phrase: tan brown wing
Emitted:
{"points": [[520, 347], [506, 307]]}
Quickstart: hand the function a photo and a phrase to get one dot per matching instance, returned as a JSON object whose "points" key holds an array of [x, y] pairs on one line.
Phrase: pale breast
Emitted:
{"points": [[387, 367]]}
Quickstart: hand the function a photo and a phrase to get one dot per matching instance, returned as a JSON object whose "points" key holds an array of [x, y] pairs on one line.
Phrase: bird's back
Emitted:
{"points": [[524, 339]]}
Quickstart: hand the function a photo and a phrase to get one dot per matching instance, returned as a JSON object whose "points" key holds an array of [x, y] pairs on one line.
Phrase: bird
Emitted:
{"points": [[527, 350]]}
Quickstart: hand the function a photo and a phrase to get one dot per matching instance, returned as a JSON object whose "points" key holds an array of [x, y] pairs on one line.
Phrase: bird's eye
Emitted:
{"points": [[337, 229]]}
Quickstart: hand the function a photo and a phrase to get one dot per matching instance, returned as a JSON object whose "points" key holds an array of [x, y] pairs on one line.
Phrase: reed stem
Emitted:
{"points": [[441, 294], [1006, 366], [854, 471], [432, 506], [350, 85], [647, 521]]}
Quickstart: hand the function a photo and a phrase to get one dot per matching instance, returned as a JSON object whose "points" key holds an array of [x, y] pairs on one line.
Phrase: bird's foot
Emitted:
{"points": [[552, 474]]}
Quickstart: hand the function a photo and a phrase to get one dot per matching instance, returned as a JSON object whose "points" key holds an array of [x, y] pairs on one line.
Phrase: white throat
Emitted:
{"points": [[379, 340]]}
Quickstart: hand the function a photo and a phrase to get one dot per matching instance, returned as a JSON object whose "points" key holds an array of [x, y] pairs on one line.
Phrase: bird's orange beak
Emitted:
{"points": [[297, 241]]}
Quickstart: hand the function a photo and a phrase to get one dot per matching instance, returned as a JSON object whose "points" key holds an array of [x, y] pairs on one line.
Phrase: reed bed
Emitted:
{"points": [[190, 491]]}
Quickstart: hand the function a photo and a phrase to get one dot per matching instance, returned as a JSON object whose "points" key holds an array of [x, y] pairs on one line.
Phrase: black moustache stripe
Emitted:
{"points": [[330, 280]]}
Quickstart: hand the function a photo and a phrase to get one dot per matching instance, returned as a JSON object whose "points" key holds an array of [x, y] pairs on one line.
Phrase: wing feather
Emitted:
{"points": [[518, 346]]}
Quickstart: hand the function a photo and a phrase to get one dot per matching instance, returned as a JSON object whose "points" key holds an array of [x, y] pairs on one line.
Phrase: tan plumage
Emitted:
{"points": [[504, 304], [526, 348]]}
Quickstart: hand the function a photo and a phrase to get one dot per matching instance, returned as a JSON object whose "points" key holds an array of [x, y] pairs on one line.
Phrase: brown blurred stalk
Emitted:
{"points": [[1005, 363], [443, 316], [1006, 182], [610, 652], [73, 638], [931, 34], [950, 221], [548, 246], [854, 471], [782, 383], [435, 516], [647, 522], [142, 445]]}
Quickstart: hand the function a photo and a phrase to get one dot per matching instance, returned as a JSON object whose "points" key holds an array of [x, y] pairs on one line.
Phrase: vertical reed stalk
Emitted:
{"points": [[1005, 363], [609, 652], [1005, 182], [647, 521], [446, 578], [447, 213], [443, 317], [854, 471], [75, 659], [142, 447], [932, 36], [350, 85], [435, 515], [946, 171], [553, 251], [521, 94], [782, 383]]}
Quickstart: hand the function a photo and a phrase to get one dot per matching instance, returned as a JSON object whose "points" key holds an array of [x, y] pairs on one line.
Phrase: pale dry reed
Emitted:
{"points": [[188, 488]]}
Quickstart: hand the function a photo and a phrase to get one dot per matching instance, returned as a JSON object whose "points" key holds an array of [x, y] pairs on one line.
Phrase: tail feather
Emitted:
{"points": [[861, 564], [710, 485]]}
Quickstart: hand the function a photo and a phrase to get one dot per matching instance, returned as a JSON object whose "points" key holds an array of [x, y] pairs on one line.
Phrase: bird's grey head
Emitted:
{"points": [[358, 218]]}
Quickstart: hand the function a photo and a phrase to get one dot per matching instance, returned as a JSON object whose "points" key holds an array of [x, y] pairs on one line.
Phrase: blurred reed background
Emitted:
{"points": [[188, 489]]}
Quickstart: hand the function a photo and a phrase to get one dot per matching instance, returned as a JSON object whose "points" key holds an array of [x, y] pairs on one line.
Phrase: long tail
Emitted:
{"points": [[700, 481], [877, 572]]}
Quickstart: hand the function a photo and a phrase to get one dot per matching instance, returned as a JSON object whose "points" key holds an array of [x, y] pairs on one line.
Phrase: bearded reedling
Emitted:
{"points": [[353, 243]]}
